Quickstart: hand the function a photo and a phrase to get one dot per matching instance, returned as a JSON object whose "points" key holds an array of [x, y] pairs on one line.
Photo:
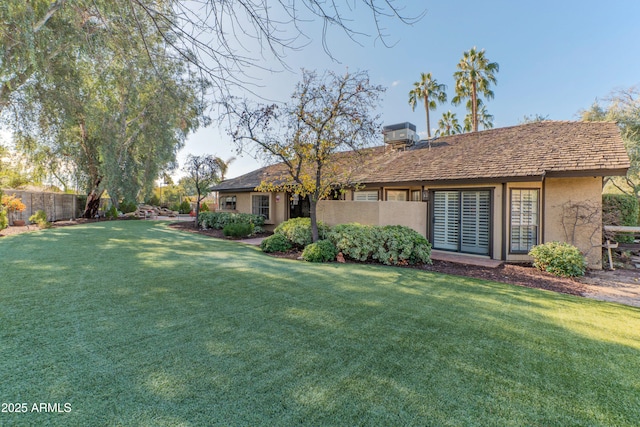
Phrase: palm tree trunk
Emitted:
{"points": [[426, 109], [474, 106]]}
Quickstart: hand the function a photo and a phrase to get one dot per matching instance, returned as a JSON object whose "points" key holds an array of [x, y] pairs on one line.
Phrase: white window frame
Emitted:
{"points": [[260, 210], [365, 196], [524, 219]]}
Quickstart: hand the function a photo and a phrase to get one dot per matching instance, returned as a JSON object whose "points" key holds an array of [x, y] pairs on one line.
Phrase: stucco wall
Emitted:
{"points": [[573, 213], [243, 202], [279, 208], [410, 214]]}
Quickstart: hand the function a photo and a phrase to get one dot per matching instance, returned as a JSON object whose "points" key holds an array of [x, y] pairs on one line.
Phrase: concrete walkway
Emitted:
{"points": [[255, 242], [477, 261]]}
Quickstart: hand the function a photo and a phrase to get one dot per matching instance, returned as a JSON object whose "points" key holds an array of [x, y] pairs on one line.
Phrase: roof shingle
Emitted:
{"points": [[531, 150]]}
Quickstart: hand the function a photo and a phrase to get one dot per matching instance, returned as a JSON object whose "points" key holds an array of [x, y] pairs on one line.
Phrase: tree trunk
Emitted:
{"points": [[198, 200], [314, 219], [474, 106], [93, 201], [426, 109]]}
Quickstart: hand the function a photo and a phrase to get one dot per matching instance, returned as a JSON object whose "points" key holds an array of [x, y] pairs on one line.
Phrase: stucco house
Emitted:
{"points": [[494, 193]]}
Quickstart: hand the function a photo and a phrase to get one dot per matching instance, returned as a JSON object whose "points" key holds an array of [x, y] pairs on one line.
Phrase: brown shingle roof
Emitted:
{"points": [[519, 152]]}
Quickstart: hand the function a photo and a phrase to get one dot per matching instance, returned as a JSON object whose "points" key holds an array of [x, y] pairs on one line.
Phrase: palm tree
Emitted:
{"points": [[224, 166], [448, 125], [475, 74], [431, 92], [484, 118]]}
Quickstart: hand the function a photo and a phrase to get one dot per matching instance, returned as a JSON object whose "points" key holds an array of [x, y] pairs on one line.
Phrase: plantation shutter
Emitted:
{"points": [[524, 219], [365, 196], [462, 221], [476, 214], [446, 220]]}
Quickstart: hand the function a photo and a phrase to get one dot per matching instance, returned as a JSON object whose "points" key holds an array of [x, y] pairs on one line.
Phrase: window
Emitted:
{"points": [[228, 203], [397, 195], [365, 196], [524, 219], [260, 205], [416, 196]]}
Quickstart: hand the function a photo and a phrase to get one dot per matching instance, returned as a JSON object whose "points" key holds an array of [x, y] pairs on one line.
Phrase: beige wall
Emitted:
{"points": [[243, 202], [410, 214], [279, 208], [573, 213]]}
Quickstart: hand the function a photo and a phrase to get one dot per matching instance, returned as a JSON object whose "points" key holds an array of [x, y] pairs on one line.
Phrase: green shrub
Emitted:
{"points": [[391, 244], [238, 230], [40, 219], [298, 231], [219, 220], [111, 213], [275, 243], [4, 221], [320, 251], [184, 207], [559, 258], [127, 206], [153, 200], [354, 240], [204, 207], [620, 209]]}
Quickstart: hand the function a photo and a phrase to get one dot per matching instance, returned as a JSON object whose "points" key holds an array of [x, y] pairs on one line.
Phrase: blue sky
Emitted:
{"points": [[555, 57]]}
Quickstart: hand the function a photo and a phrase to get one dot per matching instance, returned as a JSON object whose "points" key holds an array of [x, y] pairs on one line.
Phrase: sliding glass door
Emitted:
{"points": [[462, 221]]}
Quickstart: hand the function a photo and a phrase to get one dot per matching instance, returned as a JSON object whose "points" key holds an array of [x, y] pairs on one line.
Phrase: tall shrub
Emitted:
{"points": [[391, 244], [218, 220], [620, 209], [4, 221], [298, 231]]}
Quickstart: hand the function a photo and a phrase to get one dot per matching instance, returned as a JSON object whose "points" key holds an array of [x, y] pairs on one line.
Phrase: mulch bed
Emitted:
{"points": [[522, 275]]}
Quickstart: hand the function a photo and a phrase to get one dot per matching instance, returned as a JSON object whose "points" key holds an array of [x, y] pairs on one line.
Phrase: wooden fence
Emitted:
{"points": [[57, 206]]}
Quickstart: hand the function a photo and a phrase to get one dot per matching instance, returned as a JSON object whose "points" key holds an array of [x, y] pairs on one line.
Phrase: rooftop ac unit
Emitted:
{"points": [[400, 134]]}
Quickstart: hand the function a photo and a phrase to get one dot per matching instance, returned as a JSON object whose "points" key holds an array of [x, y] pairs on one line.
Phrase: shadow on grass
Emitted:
{"points": [[139, 324]]}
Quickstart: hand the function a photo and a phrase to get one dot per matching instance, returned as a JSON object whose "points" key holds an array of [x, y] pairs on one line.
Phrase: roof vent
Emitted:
{"points": [[400, 136]]}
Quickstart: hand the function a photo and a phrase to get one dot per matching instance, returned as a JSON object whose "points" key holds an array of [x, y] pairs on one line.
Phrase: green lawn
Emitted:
{"points": [[132, 323]]}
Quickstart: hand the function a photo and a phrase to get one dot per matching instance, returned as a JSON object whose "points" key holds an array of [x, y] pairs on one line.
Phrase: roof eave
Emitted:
{"points": [[587, 172]]}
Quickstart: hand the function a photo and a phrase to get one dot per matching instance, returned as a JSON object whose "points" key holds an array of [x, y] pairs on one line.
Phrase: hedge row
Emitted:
{"points": [[219, 220], [391, 245]]}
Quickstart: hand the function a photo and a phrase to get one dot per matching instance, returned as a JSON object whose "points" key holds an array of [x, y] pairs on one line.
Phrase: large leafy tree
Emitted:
{"points": [[111, 110], [430, 92], [106, 133], [623, 107], [474, 77], [316, 136], [223, 39]]}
